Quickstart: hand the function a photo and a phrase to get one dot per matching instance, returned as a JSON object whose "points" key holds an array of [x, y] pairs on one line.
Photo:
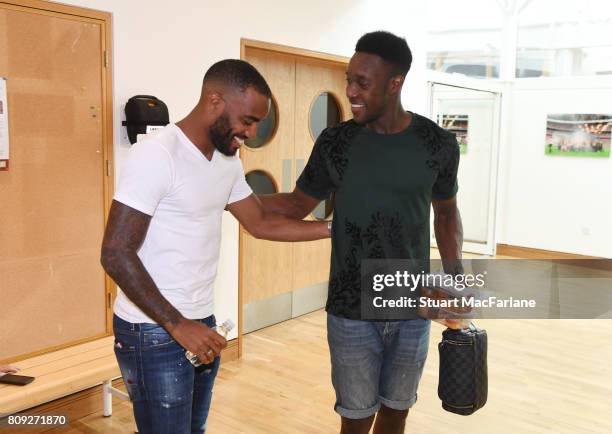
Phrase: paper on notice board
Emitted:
{"points": [[4, 132]]}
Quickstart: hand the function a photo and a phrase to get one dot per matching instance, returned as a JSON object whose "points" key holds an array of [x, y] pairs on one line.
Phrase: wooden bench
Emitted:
{"points": [[65, 372]]}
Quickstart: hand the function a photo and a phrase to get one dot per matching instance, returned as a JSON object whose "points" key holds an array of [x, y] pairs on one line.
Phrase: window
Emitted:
{"points": [[565, 39], [461, 41]]}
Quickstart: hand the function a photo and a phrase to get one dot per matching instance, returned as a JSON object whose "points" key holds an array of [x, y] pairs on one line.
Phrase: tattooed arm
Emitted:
{"points": [[125, 232], [296, 204], [273, 226]]}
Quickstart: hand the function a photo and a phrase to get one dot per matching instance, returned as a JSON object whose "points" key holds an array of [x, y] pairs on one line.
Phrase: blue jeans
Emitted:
{"points": [[376, 363], [168, 394]]}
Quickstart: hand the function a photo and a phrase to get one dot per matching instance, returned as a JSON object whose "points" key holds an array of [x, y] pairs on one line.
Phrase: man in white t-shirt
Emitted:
{"points": [[162, 241]]}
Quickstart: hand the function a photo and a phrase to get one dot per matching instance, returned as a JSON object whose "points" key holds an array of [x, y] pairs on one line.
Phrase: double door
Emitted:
{"points": [[283, 280]]}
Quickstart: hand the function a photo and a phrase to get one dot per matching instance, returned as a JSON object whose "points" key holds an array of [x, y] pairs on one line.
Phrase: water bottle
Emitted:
{"points": [[224, 329]]}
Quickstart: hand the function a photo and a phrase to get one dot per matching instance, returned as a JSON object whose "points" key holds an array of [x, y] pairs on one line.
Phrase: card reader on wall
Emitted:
{"points": [[142, 113]]}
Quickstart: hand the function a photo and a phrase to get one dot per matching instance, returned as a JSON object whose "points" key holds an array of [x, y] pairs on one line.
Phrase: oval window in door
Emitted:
{"points": [[325, 208], [325, 112], [261, 182], [265, 129]]}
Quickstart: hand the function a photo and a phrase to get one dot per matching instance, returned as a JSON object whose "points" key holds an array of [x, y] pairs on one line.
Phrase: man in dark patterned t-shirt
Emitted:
{"points": [[387, 167]]}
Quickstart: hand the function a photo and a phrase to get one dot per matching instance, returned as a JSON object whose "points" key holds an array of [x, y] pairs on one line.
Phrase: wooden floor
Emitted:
{"points": [[545, 376]]}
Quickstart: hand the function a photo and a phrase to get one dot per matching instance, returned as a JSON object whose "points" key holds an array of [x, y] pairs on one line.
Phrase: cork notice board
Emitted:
{"points": [[54, 196]]}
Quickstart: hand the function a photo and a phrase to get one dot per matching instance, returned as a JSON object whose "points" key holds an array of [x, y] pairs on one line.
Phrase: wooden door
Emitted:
{"points": [[266, 265], [283, 280], [54, 195], [314, 78]]}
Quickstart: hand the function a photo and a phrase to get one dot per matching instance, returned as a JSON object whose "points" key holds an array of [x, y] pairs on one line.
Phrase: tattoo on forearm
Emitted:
{"points": [[125, 232]]}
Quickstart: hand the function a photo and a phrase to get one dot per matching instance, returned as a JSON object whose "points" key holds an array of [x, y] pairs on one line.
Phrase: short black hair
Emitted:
{"points": [[238, 73], [387, 46]]}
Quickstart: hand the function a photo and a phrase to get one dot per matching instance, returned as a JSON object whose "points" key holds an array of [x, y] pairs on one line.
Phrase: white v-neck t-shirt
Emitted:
{"points": [[167, 177]]}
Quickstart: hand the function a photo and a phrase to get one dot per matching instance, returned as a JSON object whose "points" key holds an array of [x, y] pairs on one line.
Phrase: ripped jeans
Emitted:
{"points": [[168, 394]]}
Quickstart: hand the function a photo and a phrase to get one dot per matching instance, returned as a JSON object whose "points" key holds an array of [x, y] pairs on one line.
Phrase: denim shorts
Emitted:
{"points": [[168, 394], [376, 363]]}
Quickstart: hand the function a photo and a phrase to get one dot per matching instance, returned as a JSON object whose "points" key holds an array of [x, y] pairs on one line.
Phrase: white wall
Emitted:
{"points": [[555, 203], [163, 48]]}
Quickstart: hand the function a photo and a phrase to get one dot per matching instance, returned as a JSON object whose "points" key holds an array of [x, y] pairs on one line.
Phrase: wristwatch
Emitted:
{"points": [[329, 226]]}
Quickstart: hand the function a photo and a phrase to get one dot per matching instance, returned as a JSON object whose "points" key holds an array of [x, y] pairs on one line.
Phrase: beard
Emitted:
{"points": [[221, 135]]}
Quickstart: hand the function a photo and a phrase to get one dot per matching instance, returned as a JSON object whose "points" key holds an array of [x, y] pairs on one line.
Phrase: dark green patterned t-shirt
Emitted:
{"points": [[384, 185]]}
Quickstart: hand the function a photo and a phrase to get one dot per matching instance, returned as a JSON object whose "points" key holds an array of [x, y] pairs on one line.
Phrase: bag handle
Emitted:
{"points": [[144, 97]]}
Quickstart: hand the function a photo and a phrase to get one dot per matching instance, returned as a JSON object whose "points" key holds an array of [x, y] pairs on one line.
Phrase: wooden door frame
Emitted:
{"points": [[104, 20], [303, 54]]}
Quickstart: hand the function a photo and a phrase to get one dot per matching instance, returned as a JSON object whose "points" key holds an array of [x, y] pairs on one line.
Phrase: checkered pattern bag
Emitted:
{"points": [[463, 384]]}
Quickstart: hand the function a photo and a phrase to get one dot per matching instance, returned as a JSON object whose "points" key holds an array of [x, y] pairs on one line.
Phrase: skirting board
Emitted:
{"points": [[262, 313]]}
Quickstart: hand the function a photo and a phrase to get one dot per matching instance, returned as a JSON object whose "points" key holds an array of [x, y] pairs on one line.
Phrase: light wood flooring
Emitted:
{"points": [[545, 376]]}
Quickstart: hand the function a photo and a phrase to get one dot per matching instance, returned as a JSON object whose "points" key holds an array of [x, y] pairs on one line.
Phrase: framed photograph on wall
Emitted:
{"points": [[578, 135], [458, 125]]}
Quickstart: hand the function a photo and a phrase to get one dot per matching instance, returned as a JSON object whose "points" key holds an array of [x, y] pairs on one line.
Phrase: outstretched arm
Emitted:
{"points": [[296, 204], [265, 224]]}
